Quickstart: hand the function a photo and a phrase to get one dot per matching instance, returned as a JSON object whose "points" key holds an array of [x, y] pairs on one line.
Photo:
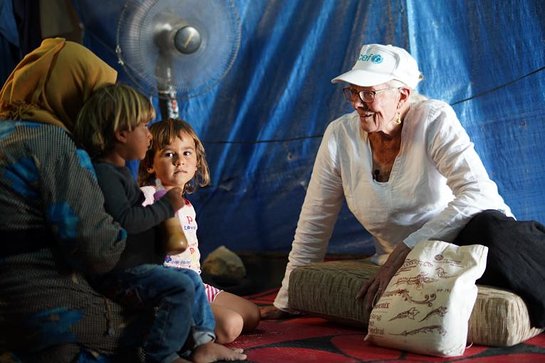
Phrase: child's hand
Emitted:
{"points": [[176, 198]]}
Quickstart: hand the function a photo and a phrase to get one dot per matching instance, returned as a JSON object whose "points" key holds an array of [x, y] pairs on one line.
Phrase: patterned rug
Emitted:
{"points": [[311, 339]]}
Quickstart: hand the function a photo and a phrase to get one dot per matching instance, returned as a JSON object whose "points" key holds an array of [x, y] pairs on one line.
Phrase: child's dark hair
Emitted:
{"points": [[164, 132], [111, 108]]}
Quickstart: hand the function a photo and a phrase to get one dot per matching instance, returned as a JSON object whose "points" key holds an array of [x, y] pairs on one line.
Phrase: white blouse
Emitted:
{"points": [[436, 184]]}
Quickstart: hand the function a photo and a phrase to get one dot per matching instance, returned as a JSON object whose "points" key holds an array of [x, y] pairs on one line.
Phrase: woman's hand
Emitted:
{"points": [[272, 313], [373, 288]]}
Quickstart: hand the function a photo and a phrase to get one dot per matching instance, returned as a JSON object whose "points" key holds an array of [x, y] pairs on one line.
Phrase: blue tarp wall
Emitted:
{"points": [[262, 124]]}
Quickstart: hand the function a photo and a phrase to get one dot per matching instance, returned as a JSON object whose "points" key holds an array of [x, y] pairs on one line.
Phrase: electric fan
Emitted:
{"points": [[177, 48]]}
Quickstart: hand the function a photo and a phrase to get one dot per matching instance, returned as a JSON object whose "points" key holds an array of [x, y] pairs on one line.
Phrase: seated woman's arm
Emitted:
{"points": [[87, 237]]}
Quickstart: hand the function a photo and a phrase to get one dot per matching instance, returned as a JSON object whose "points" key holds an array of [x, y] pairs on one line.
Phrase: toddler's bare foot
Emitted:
{"points": [[213, 352]]}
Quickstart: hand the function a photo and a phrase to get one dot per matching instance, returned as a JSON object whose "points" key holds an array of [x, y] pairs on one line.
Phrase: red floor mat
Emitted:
{"points": [[310, 339]]}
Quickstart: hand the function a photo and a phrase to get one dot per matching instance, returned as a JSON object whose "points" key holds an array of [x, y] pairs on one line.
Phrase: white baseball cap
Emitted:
{"points": [[377, 64]]}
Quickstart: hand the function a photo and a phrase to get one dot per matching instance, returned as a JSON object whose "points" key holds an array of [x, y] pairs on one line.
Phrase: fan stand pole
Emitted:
{"points": [[168, 103]]}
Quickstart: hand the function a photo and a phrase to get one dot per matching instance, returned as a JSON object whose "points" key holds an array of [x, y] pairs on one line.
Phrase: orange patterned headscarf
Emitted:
{"points": [[52, 82]]}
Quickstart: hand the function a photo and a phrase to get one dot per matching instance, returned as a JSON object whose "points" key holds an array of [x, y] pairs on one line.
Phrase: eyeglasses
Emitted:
{"points": [[365, 96]]}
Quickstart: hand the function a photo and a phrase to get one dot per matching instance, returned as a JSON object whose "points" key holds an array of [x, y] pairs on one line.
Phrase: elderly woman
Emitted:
{"points": [[408, 172]]}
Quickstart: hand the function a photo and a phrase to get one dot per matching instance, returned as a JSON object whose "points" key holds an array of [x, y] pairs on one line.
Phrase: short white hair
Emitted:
{"points": [[414, 97]]}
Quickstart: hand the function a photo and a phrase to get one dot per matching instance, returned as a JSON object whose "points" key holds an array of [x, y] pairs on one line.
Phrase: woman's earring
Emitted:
{"points": [[397, 121]]}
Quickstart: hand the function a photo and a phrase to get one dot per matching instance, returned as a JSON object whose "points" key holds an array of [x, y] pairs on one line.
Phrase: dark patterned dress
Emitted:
{"points": [[53, 231]]}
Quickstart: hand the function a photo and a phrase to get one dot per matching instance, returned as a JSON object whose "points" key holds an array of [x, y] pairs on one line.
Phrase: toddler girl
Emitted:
{"points": [[177, 159]]}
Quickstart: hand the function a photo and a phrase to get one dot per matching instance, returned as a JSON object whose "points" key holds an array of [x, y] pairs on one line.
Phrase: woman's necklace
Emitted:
{"points": [[384, 151]]}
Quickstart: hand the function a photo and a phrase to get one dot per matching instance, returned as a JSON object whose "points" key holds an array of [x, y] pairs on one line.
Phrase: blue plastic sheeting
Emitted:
{"points": [[262, 124], [9, 39]]}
